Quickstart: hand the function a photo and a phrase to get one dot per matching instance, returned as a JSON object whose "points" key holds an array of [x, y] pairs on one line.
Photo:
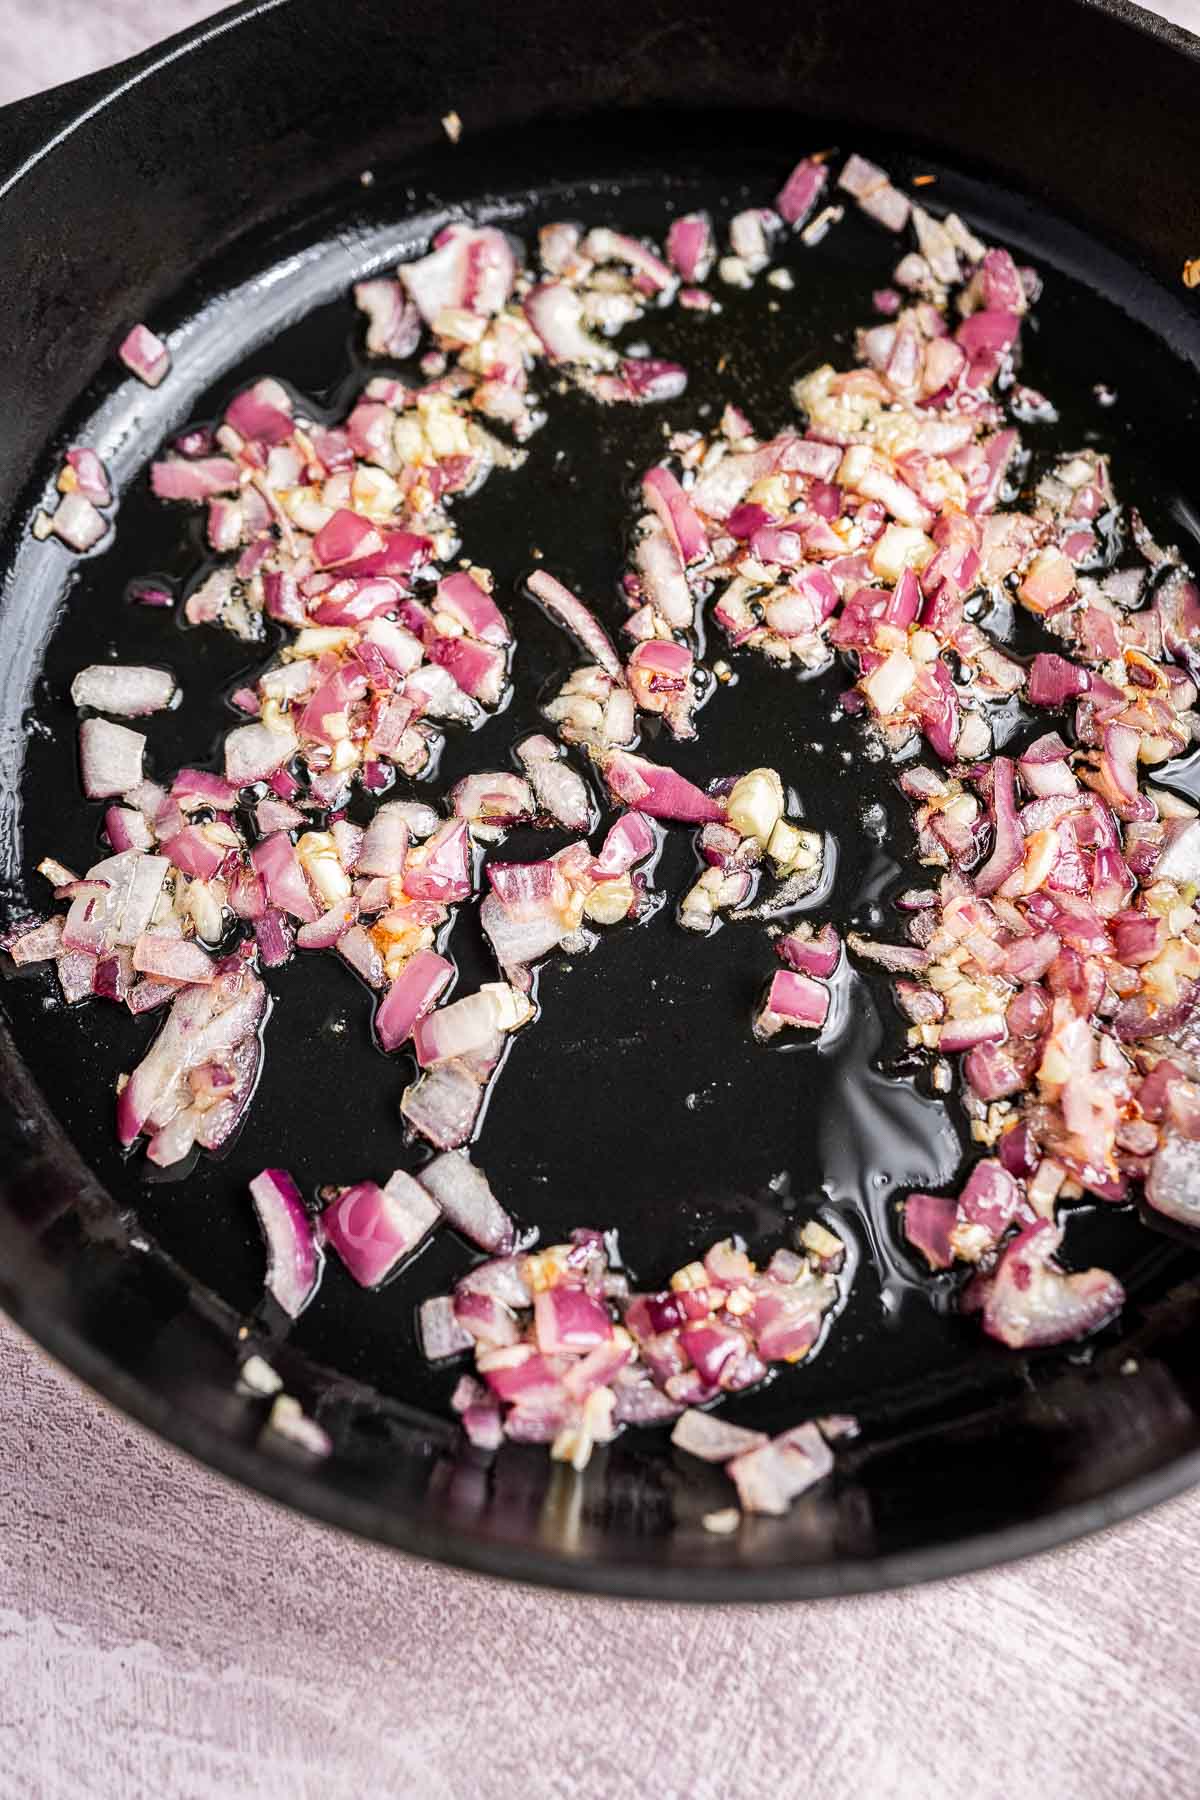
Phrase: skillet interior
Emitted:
{"points": [[967, 1452]]}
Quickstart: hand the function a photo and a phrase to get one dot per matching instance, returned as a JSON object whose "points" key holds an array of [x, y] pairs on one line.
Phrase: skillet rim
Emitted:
{"points": [[35, 127]]}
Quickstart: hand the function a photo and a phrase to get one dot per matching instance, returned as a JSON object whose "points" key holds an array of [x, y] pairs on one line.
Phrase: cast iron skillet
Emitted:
{"points": [[214, 187]]}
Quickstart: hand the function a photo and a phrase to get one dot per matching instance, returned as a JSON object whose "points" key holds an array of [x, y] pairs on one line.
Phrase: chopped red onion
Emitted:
{"points": [[470, 267], [570, 1321], [77, 522], [659, 791], [124, 689], [462, 597], [479, 670], [768, 1480], [518, 941], [1053, 680], [555, 312], [77, 975], [793, 999], [130, 885], [815, 955], [198, 787], [145, 355], [110, 757], [410, 996], [690, 246], [441, 869], [347, 537], [441, 1334], [275, 860], [992, 1073], [1030, 1301], [1179, 860], [35, 943], [937, 704], [195, 853], [293, 1259], [357, 947], [503, 1277], [374, 1229], [1118, 766], [660, 679], [177, 478], [275, 937], [89, 476], [443, 1105], [1173, 1181], [712, 1439], [205, 1024], [143, 593], [253, 752], [1007, 845], [394, 323], [861, 178], [802, 189], [988, 1204], [499, 799], [172, 959], [577, 619], [664, 494], [899, 958], [929, 1220], [628, 842], [465, 1029], [276, 815], [385, 843], [327, 932], [965, 1034], [558, 788], [467, 1201]]}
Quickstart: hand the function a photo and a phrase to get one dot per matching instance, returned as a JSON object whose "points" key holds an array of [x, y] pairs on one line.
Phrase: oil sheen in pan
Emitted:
{"points": [[639, 1099]]}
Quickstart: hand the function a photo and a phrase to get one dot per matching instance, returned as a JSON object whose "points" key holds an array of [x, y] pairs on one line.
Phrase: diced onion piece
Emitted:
{"points": [[467, 1201], [755, 804], [77, 523], [769, 1479], [441, 1334], [145, 355], [568, 1320], [293, 1259], [1031, 1302], [172, 959], [127, 689], [110, 758], [444, 1105], [813, 955], [410, 996], [555, 312], [374, 1229], [659, 791], [793, 999], [465, 1029], [713, 1439], [571, 612]]}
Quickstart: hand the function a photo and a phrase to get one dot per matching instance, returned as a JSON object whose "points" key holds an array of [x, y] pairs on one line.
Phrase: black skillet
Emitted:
{"points": [[215, 187]]}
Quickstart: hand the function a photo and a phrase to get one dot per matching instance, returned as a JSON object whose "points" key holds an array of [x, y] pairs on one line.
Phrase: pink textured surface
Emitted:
{"points": [[165, 1634]]}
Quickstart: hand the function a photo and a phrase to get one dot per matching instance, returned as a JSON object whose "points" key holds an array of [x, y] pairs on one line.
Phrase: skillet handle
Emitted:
{"points": [[29, 126]]}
